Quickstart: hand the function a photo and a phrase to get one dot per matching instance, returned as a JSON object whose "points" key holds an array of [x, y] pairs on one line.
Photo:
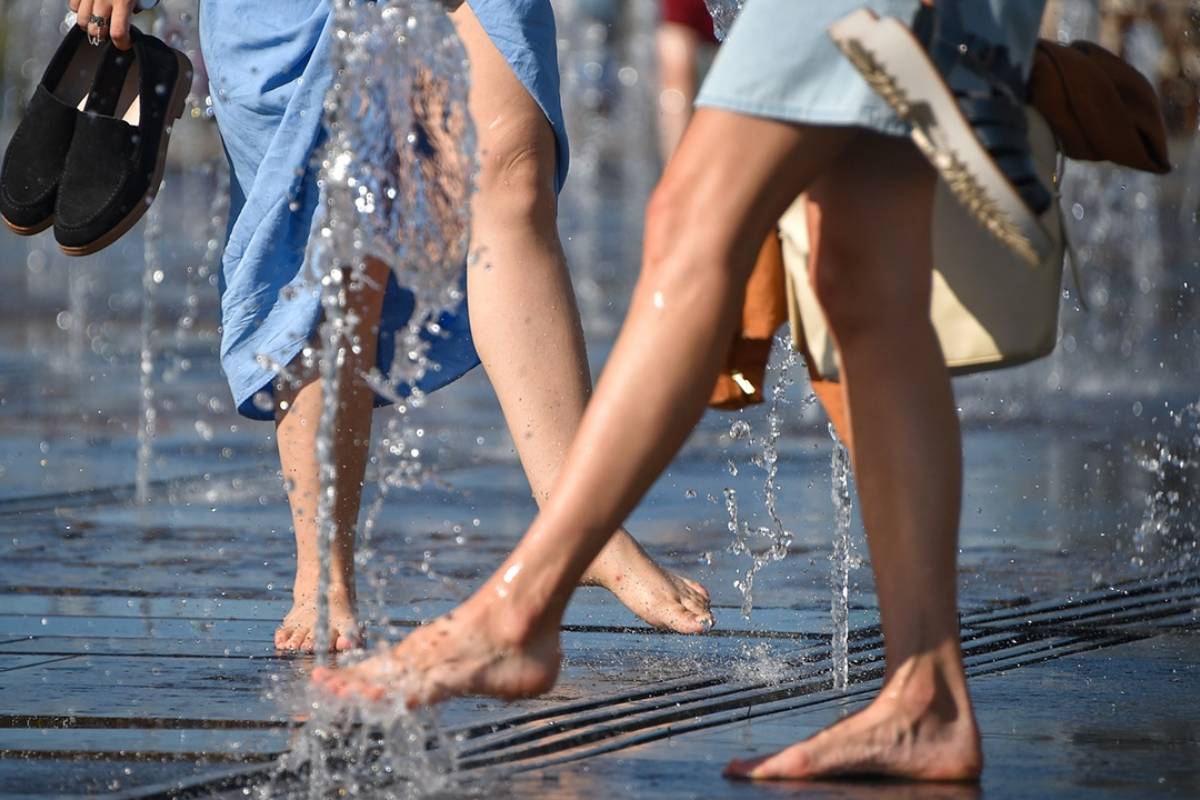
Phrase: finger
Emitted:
{"points": [[83, 12], [74, 6], [118, 26], [101, 11]]}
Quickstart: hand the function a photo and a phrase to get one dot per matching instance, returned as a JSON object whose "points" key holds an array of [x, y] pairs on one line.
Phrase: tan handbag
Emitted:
{"points": [[989, 308]]}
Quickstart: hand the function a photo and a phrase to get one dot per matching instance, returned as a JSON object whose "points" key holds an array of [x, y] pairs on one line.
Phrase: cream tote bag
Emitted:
{"points": [[989, 308]]}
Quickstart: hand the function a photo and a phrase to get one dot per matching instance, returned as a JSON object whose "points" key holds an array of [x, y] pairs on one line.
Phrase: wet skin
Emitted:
{"points": [[526, 328], [503, 641]]}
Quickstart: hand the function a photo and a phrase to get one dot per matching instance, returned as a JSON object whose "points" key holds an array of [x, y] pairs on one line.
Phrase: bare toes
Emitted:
{"points": [[338, 682], [282, 635], [696, 606], [698, 588], [791, 763], [742, 770], [295, 641]]}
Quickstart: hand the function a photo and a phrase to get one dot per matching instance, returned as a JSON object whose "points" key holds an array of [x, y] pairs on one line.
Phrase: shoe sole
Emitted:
{"points": [[896, 66], [27, 231], [183, 85]]}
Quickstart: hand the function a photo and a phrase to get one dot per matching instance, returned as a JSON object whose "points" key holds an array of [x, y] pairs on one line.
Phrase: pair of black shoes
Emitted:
{"points": [[89, 154]]}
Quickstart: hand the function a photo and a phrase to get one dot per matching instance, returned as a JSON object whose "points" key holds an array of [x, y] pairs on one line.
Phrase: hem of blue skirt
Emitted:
{"points": [[263, 380], [882, 122]]}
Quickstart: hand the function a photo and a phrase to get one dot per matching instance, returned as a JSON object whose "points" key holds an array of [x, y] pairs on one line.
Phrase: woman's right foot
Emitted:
{"points": [[298, 631]]}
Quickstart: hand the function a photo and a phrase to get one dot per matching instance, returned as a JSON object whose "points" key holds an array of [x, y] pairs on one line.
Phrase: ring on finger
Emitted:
{"points": [[100, 26]]}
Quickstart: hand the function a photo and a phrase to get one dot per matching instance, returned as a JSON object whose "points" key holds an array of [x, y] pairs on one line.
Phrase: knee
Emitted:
{"points": [[516, 181], [684, 239]]}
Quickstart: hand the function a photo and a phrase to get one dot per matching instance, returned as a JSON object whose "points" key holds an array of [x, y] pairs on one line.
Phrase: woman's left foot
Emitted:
{"points": [[658, 597]]}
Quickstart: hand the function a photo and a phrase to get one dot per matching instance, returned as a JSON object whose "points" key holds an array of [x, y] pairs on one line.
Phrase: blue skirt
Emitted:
{"points": [[269, 67]]}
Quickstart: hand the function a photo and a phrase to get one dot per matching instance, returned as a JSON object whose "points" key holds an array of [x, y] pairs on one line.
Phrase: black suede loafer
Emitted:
{"points": [[34, 159], [115, 164]]}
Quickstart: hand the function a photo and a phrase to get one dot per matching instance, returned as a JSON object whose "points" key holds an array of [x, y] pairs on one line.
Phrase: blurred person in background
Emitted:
{"points": [[685, 44]]}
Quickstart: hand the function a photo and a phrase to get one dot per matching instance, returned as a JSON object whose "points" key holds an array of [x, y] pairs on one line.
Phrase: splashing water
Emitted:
{"points": [[724, 12], [760, 662], [1167, 535], [398, 459], [778, 537], [152, 277], [376, 751], [396, 175], [842, 561], [173, 25]]}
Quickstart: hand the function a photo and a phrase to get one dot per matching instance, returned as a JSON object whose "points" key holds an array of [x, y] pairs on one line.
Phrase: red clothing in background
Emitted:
{"points": [[691, 13]]}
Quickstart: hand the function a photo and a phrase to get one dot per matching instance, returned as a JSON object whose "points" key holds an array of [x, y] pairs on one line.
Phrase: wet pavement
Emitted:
{"points": [[167, 697], [135, 640]]}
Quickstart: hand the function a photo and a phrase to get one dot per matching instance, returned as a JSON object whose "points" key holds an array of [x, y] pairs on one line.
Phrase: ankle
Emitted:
{"points": [[620, 550], [510, 620], [929, 683], [339, 587]]}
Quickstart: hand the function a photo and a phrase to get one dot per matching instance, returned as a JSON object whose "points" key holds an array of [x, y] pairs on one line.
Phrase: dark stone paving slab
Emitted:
{"points": [[1114, 723], [1122, 722], [178, 681]]}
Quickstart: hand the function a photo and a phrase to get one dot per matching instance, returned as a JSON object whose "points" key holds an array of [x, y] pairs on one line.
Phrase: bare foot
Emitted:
{"points": [[466, 652], [660, 598], [297, 632], [929, 738]]}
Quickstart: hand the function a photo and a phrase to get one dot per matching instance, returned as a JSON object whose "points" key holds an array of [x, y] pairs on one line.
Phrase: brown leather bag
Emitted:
{"points": [[1099, 107]]}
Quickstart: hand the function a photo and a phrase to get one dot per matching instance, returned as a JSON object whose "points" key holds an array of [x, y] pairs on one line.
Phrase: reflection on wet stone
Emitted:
{"points": [[135, 648]]}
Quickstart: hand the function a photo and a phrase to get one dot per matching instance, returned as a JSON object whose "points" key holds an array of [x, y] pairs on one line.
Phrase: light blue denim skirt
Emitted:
{"points": [[778, 61]]}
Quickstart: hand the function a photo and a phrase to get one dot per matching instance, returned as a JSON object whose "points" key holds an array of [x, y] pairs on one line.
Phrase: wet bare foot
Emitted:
{"points": [[926, 735], [297, 632], [466, 652], [660, 598]]}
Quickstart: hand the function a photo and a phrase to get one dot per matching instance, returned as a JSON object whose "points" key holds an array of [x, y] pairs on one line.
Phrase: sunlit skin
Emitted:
{"points": [[504, 640], [526, 327]]}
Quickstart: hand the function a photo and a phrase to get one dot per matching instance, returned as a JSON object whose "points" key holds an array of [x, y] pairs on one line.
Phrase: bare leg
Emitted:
{"points": [[526, 325], [907, 458], [504, 640], [681, 321], [297, 415]]}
